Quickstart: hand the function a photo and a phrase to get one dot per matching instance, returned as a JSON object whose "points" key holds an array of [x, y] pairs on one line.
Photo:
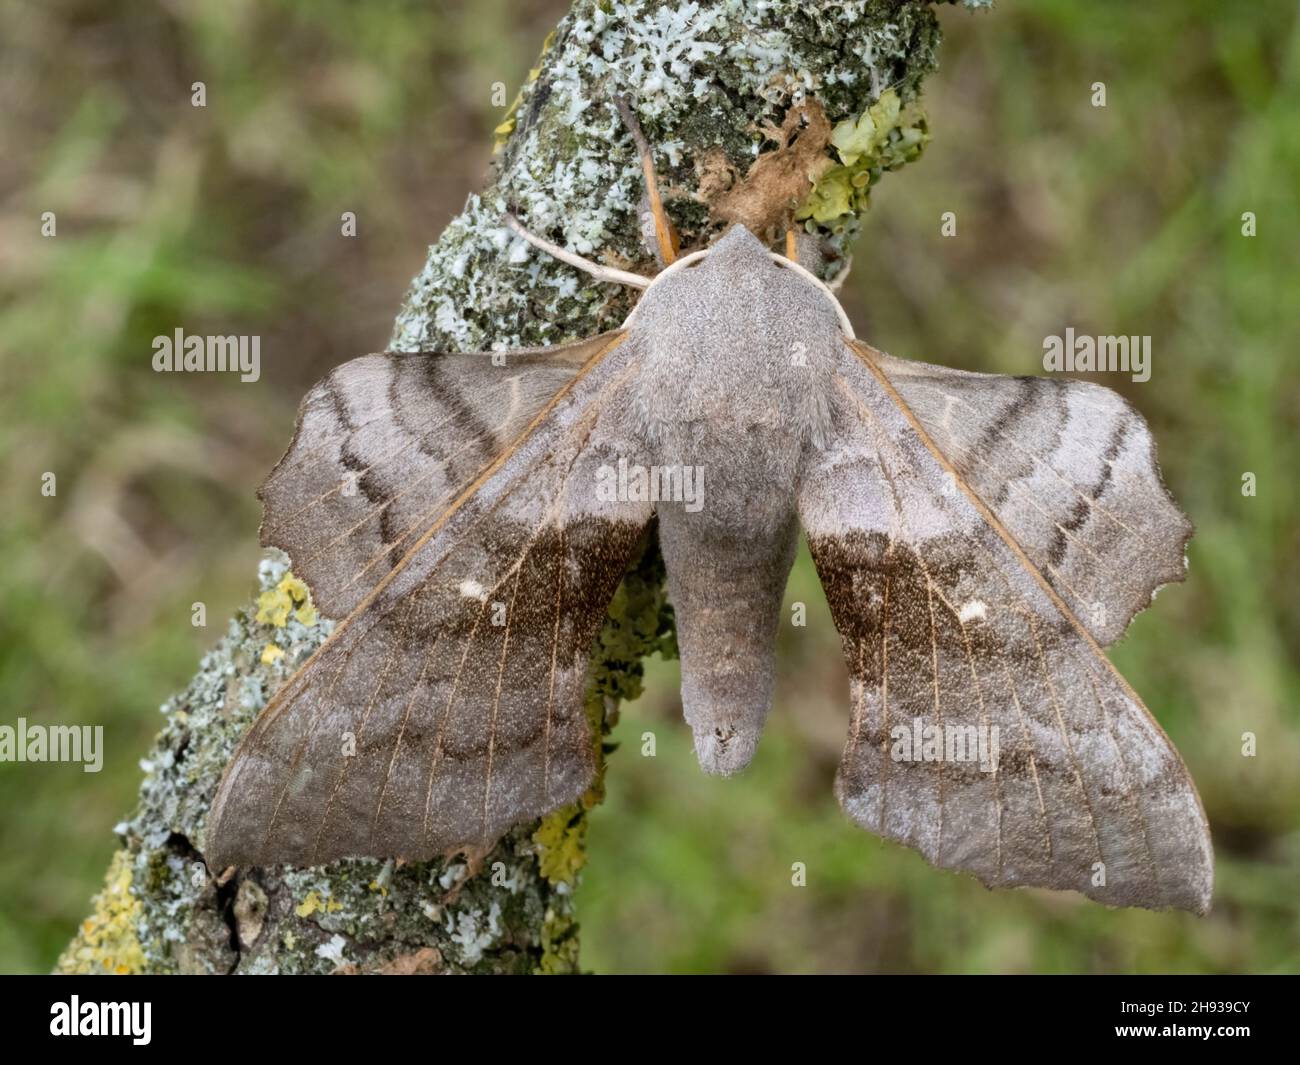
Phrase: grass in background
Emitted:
{"points": [[1117, 220]]}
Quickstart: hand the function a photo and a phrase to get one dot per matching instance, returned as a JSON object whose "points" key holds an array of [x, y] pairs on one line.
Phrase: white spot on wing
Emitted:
{"points": [[472, 590], [973, 610]]}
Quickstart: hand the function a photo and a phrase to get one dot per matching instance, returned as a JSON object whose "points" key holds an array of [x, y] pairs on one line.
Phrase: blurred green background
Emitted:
{"points": [[1122, 219]]}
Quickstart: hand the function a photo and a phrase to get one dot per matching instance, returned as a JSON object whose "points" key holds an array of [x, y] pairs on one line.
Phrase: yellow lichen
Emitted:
{"points": [[291, 594], [107, 940], [314, 902], [308, 906], [507, 126], [273, 607], [270, 653]]}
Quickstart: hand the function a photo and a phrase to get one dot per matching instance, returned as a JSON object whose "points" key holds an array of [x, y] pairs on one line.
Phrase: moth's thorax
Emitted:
{"points": [[735, 346]]}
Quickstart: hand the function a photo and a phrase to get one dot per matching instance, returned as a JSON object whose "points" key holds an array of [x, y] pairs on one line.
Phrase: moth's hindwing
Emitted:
{"points": [[989, 731]]}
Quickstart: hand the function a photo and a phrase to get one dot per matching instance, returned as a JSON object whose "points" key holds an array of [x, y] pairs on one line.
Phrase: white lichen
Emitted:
{"points": [[332, 951], [472, 934]]}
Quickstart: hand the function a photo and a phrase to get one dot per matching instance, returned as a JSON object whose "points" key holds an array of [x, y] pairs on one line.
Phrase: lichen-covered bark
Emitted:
{"points": [[715, 85], [710, 81]]}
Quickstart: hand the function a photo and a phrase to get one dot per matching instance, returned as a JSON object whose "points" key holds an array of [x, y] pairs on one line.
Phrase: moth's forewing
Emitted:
{"points": [[447, 706], [386, 443], [1070, 469]]}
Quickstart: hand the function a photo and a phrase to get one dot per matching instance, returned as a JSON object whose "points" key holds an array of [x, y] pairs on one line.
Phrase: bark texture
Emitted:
{"points": [[757, 112]]}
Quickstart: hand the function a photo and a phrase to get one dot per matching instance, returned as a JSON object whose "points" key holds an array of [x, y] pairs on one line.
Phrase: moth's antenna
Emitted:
{"points": [[596, 270], [664, 235]]}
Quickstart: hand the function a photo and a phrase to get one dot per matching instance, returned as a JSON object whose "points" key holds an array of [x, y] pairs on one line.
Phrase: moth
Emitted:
{"points": [[979, 538]]}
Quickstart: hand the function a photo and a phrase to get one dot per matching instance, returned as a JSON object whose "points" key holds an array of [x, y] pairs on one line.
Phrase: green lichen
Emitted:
{"points": [[639, 624], [560, 945], [886, 136], [560, 840]]}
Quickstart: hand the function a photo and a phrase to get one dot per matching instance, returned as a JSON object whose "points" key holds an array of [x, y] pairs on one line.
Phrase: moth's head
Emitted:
{"points": [[738, 249]]}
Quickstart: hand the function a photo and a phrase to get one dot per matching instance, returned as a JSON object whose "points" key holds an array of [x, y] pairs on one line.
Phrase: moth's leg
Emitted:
{"points": [[665, 234], [791, 246], [596, 270]]}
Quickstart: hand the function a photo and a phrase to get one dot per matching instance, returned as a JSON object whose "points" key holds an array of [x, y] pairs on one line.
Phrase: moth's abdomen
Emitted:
{"points": [[726, 594]]}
